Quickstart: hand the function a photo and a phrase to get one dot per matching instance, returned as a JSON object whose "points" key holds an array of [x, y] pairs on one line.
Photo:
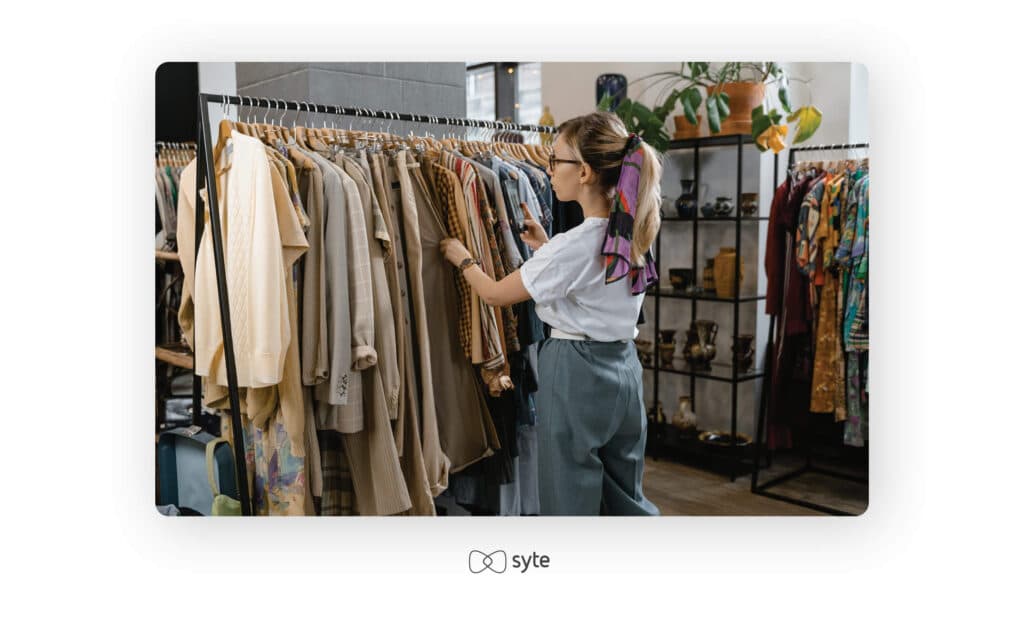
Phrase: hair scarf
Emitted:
{"points": [[619, 237]]}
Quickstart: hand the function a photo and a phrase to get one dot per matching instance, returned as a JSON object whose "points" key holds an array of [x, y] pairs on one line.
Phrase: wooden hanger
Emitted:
{"points": [[223, 134]]}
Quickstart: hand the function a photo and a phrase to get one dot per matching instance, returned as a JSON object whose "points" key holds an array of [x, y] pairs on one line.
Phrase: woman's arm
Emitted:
{"points": [[509, 290]]}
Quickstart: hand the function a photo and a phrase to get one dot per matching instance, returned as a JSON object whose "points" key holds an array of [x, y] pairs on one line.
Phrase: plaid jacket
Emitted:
{"points": [[446, 185]]}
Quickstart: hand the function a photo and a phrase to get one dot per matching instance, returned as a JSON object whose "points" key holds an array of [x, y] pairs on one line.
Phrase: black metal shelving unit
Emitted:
{"points": [[667, 440]]}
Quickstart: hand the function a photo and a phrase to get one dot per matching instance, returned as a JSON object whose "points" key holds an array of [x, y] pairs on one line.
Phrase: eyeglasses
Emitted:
{"points": [[552, 160]]}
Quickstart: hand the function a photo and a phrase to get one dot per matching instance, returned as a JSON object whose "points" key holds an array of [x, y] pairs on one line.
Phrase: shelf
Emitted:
{"points": [[719, 219], [665, 441], [674, 437], [163, 255], [175, 354], [721, 372], [711, 141], [704, 297]]}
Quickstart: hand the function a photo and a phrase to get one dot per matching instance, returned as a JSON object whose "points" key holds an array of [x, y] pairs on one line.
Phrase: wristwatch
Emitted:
{"points": [[467, 262]]}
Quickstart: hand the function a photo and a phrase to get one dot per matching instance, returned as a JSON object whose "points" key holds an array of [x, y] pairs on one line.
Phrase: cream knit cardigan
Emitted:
{"points": [[254, 268]]}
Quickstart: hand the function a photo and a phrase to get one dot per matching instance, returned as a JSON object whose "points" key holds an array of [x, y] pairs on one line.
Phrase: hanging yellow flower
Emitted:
{"points": [[773, 137]]}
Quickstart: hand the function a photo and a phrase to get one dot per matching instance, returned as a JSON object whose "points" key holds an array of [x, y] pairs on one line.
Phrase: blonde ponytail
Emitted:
{"points": [[647, 220], [600, 139]]}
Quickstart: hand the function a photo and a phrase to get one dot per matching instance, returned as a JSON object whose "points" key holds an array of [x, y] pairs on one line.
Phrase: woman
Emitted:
{"points": [[588, 285]]}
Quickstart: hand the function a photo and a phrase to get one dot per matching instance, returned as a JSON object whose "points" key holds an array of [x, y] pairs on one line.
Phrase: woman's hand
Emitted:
{"points": [[454, 251], [534, 235]]}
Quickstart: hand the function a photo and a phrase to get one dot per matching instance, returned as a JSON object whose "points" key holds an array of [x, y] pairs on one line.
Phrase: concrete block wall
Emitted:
{"points": [[424, 88]]}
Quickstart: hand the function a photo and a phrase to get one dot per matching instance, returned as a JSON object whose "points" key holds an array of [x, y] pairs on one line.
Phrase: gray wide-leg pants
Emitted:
{"points": [[591, 429]]}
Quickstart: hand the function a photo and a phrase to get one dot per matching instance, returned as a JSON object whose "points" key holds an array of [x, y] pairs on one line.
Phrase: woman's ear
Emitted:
{"points": [[586, 174]]}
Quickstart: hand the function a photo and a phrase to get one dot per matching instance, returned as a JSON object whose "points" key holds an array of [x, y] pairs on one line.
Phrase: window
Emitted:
{"points": [[480, 95], [508, 91], [528, 104]]}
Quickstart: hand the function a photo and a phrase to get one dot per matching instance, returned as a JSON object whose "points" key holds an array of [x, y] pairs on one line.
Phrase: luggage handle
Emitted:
{"points": [[210, 448]]}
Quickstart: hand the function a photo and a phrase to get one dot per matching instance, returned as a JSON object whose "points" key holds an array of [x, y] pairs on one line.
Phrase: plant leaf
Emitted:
{"points": [[714, 123], [773, 137], [808, 118], [693, 95], [688, 110], [666, 107], [723, 105], [784, 98], [761, 122]]}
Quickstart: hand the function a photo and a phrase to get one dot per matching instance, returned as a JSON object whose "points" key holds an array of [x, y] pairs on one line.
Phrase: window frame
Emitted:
{"points": [[506, 88]]}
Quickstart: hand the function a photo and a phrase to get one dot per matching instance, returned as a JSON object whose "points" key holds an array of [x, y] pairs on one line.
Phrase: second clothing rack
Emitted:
{"points": [[808, 466]]}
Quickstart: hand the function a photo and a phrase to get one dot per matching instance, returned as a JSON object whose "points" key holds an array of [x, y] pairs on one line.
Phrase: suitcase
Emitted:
{"points": [[185, 480]]}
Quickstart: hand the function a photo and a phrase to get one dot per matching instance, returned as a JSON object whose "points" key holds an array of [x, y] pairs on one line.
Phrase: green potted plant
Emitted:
{"points": [[735, 104]]}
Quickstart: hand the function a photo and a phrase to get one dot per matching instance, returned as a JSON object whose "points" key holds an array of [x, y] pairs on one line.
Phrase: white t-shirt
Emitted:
{"points": [[565, 277]]}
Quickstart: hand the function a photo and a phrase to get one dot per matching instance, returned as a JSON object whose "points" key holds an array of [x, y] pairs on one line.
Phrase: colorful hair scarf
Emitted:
{"points": [[619, 238]]}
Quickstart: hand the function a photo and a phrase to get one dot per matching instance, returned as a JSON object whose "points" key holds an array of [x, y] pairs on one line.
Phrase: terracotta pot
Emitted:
{"points": [[684, 129], [744, 97]]}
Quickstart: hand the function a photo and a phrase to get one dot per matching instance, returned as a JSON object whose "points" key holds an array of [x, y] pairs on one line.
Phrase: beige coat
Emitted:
{"points": [[407, 429], [372, 454], [465, 427], [437, 463]]}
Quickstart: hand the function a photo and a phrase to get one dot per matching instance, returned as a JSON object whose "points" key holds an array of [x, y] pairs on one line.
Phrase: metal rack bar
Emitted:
{"points": [[736, 302], [349, 111], [207, 173], [696, 260], [809, 467], [824, 147]]}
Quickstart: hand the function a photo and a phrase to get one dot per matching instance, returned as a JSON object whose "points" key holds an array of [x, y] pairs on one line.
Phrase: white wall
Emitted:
{"points": [[569, 88], [859, 122]]}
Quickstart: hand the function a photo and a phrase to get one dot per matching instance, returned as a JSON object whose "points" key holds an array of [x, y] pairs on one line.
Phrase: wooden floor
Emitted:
{"points": [[681, 490]]}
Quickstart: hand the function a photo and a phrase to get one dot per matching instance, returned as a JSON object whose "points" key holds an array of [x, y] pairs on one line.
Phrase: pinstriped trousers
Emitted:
{"points": [[591, 429]]}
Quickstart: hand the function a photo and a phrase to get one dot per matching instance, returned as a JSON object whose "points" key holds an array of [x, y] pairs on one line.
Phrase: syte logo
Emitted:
{"points": [[497, 561]]}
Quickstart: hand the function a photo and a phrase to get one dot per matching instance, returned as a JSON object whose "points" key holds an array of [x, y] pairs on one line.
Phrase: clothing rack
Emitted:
{"points": [[348, 111], [809, 466], [205, 174], [824, 147]]}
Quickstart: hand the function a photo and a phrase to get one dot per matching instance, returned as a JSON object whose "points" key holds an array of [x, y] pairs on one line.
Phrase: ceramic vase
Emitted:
{"points": [[748, 204], [700, 347], [743, 352], [686, 203], [708, 277], [613, 86], [681, 279], [723, 206], [725, 272]]}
